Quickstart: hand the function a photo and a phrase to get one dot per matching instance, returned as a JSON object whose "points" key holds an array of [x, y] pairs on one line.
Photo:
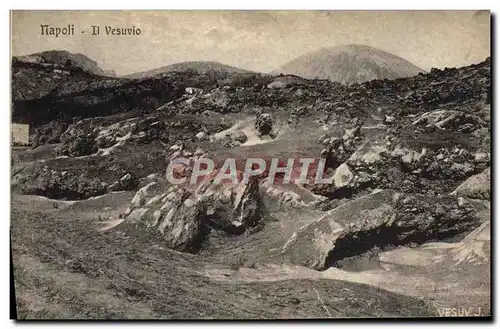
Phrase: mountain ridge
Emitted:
{"points": [[198, 66], [65, 58]]}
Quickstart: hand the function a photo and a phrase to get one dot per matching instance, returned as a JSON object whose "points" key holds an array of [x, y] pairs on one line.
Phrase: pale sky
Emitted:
{"points": [[256, 40]]}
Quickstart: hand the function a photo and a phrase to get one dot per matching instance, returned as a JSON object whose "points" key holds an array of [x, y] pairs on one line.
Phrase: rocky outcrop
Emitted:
{"points": [[91, 136], [232, 137], [78, 140], [386, 162], [474, 249], [76, 178], [59, 184], [343, 176], [184, 216], [232, 208], [49, 133], [172, 213], [81, 145], [449, 120], [382, 219]]}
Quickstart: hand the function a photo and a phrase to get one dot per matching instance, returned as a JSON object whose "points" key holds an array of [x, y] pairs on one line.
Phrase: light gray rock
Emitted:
{"points": [[388, 119], [183, 216], [481, 157], [343, 176], [378, 219], [412, 157], [476, 186], [201, 136]]}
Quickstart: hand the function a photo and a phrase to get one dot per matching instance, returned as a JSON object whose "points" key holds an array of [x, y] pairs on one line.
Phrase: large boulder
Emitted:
{"points": [[343, 176], [385, 218], [264, 123], [171, 213], [184, 216], [368, 155], [476, 187], [232, 137], [229, 207]]}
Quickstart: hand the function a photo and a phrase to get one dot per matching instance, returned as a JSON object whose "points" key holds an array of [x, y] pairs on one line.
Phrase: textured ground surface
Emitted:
{"points": [[404, 230]]}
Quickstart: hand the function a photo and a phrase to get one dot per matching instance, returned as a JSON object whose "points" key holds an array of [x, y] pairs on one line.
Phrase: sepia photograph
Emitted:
{"points": [[250, 164]]}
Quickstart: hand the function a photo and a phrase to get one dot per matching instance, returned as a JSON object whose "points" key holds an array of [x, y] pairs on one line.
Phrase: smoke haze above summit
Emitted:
{"points": [[257, 40]]}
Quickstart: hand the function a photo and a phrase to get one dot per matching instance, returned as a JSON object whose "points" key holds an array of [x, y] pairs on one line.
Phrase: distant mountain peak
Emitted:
{"points": [[63, 57], [348, 64], [198, 66]]}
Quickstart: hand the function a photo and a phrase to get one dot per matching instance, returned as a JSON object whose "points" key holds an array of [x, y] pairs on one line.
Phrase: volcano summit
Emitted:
{"points": [[349, 64]]}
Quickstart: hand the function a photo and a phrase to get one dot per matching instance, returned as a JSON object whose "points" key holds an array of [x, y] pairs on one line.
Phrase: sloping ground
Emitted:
{"points": [[66, 269], [350, 64], [44, 93], [35, 80], [36, 75]]}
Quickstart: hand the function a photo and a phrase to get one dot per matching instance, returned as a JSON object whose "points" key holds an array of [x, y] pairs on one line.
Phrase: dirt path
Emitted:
{"points": [[46, 290]]}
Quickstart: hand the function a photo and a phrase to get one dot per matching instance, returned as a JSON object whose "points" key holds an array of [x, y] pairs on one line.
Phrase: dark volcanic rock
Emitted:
{"points": [[35, 79], [62, 185], [79, 178], [370, 143], [48, 134], [81, 145], [94, 96], [264, 123], [78, 141]]}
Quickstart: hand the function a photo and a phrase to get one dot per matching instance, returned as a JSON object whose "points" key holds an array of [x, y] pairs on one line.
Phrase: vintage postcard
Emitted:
{"points": [[250, 164]]}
